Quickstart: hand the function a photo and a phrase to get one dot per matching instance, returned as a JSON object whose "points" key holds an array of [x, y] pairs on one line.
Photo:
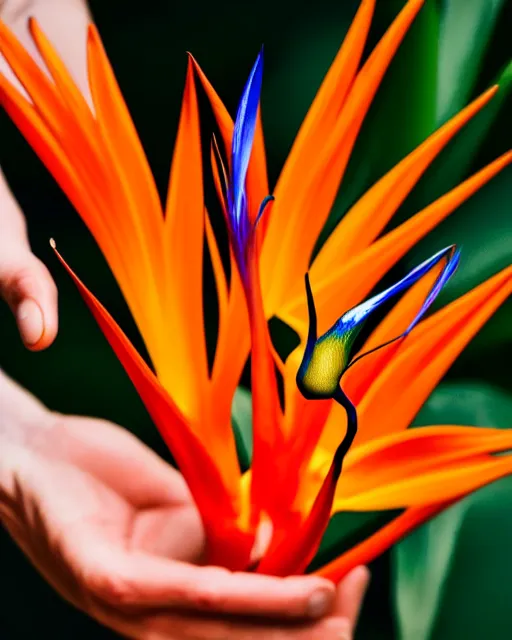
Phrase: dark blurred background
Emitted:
{"points": [[146, 44]]}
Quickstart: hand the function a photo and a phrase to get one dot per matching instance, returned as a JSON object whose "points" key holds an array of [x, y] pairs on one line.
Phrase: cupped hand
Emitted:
{"points": [[112, 527]]}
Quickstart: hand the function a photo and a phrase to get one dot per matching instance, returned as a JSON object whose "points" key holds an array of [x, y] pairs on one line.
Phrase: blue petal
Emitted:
{"points": [[442, 279], [357, 315], [326, 358], [243, 138]]}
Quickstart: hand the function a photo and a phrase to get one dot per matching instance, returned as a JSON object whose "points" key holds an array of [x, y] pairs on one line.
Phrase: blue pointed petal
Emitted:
{"points": [[358, 314], [243, 138], [444, 276], [328, 357]]}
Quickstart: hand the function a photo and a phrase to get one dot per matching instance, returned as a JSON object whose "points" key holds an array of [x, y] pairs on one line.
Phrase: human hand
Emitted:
{"points": [[113, 528]]}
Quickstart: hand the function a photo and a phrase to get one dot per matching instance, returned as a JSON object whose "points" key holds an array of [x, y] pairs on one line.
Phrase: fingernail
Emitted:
{"points": [[319, 604], [30, 321]]}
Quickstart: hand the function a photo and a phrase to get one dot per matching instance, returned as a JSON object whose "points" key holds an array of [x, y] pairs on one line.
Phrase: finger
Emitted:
{"points": [[183, 626], [30, 292], [25, 283], [143, 580], [350, 595]]}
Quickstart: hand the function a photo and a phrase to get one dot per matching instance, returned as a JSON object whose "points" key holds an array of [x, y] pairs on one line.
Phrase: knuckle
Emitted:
{"points": [[207, 598], [18, 283], [113, 589]]}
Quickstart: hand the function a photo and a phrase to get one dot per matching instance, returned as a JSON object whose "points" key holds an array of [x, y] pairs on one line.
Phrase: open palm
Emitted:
{"points": [[113, 529]]}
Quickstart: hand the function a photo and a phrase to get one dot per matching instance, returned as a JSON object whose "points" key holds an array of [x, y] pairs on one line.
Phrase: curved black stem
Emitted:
{"points": [[342, 450]]}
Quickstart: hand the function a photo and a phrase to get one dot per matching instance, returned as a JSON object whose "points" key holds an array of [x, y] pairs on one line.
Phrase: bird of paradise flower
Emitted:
{"points": [[271, 518]]}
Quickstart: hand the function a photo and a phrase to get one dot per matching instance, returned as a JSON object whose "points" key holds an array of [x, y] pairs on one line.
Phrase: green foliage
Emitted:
{"points": [[465, 32], [241, 417], [452, 576]]}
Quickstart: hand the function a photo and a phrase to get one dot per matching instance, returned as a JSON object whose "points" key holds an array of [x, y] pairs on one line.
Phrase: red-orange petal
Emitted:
{"points": [[372, 547]]}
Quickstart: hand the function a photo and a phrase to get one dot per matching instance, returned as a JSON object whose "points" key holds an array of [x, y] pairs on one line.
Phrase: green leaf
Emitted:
{"points": [[482, 228], [454, 163], [467, 403], [465, 31], [347, 529], [241, 416], [452, 576]]}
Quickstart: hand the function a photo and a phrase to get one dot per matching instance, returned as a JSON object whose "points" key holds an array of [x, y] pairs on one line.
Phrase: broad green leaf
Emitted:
{"points": [[465, 31], [347, 529], [455, 161], [452, 576], [482, 228], [468, 404], [241, 416]]}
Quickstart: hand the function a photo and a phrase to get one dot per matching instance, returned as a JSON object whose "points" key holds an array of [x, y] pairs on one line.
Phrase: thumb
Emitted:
{"points": [[350, 595], [25, 283]]}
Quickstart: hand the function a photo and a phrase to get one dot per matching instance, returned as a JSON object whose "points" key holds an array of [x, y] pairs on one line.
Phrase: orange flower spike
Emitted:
{"points": [[70, 178], [312, 201], [136, 186], [347, 284], [79, 162], [317, 126], [425, 356], [412, 467], [366, 219], [183, 239], [485, 472], [419, 478], [64, 83]]}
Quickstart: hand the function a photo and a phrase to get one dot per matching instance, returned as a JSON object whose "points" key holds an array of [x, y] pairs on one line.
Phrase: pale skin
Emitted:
{"points": [[110, 525]]}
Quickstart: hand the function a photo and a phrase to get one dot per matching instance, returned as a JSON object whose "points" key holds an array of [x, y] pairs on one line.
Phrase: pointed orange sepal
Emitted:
{"points": [[420, 466], [401, 388], [348, 283], [287, 256], [366, 219], [390, 534]]}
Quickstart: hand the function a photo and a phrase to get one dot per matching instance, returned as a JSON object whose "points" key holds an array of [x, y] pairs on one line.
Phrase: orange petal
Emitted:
{"points": [[399, 391], [372, 547], [83, 168], [348, 284], [366, 219], [66, 86], [134, 185], [391, 533], [121, 137], [291, 552], [68, 176], [419, 466], [183, 239], [267, 416], [287, 256], [317, 126], [38, 86]]}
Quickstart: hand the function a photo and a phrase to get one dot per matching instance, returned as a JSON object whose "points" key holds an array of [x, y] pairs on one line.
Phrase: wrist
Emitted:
{"points": [[23, 419]]}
